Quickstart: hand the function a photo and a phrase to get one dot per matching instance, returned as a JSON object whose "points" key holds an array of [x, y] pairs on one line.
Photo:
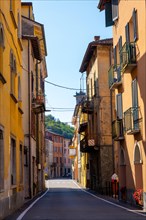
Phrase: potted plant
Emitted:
{"points": [[138, 196]]}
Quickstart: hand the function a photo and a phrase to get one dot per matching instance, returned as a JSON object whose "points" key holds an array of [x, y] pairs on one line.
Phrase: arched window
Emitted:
{"points": [[2, 43], [122, 157], [137, 154]]}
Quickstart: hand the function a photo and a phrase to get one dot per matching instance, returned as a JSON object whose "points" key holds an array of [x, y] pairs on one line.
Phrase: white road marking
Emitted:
{"points": [[26, 210], [111, 203]]}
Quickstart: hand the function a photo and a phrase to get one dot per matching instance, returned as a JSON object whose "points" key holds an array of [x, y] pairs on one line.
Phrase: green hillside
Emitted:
{"points": [[56, 126]]}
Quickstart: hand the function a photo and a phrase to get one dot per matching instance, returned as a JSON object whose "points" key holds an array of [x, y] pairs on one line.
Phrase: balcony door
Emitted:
{"points": [[135, 104]]}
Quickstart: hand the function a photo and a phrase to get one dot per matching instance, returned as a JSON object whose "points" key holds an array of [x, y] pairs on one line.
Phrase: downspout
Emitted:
{"points": [[37, 127], [29, 118], [111, 103]]}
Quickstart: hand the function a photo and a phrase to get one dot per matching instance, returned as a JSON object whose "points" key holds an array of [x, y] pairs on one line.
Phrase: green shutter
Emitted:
{"points": [[134, 17], [134, 93], [127, 33], [108, 14], [114, 9], [115, 56], [119, 106]]}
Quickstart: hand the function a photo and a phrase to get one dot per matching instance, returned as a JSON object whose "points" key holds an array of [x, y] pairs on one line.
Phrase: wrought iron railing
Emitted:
{"points": [[132, 120], [87, 106], [114, 76], [117, 130], [128, 56]]}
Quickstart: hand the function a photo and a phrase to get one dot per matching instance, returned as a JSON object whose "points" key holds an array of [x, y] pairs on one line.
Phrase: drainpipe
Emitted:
{"points": [[29, 119], [37, 127], [111, 101]]}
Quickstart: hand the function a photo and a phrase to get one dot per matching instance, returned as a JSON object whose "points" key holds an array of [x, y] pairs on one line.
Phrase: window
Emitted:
{"points": [[19, 27], [137, 154], [25, 156], [120, 49], [127, 33], [21, 164], [134, 18], [119, 106], [13, 161], [12, 71], [115, 56], [2, 43], [19, 89], [131, 28], [122, 157], [114, 9], [12, 12], [108, 14], [1, 159], [135, 105]]}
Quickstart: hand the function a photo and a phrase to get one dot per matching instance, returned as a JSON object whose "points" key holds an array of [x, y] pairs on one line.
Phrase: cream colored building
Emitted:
{"points": [[96, 139], [127, 77], [33, 93]]}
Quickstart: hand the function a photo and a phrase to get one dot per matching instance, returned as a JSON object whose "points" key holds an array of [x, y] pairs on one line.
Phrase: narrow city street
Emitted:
{"points": [[65, 200]]}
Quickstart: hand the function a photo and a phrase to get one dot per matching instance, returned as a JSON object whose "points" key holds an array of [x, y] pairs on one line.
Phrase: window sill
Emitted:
{"points": [[13, 97], [2, 79], [13, 18]]}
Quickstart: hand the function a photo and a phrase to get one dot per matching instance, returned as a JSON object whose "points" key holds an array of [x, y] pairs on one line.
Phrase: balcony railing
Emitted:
{"points": [[85, 146], [132, 120], [83, 127], [114, 76], [38, 104], [87, 106], [117, 130], [128, 57]]}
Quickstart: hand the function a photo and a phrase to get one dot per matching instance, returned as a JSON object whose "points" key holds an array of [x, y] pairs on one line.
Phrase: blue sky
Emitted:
{"points": [[69, 27]]}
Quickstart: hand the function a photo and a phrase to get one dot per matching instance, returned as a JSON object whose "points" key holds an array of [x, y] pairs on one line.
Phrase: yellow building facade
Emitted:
{"points": [[11, 109], [127, 78]]}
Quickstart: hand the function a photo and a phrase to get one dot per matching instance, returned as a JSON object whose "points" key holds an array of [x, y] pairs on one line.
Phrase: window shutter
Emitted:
{"points": [[134, 93], [134, 17], [114, 9], [119, 106], [115, 56], [120, 43], [127, 33], [108, 14], [120, 49]]}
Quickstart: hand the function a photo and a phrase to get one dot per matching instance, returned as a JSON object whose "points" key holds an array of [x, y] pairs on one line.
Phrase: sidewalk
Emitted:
{"points": [[27, 203]]}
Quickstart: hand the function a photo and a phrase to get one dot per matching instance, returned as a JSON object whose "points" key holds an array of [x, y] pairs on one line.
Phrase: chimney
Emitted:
{"points": [[96, 38]]}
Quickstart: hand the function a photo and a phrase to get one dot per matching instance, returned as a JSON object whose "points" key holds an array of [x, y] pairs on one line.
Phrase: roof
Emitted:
{"points": [[35, 32], [90, 49], [101, 4], [26, 3]]}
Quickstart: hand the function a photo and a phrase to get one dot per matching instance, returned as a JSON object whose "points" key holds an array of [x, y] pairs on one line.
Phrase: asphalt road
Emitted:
{"points": [[65, 200]]}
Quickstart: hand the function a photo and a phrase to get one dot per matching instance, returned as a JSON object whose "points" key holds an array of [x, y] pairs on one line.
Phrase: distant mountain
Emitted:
{"points": [[56, 126]]}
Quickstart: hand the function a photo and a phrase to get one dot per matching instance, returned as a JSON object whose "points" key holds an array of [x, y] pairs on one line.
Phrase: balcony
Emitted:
{"points": [[38, 104], [128, 57], [87, 106], [85, 146], [114, 76], [132, 120], [83, 127], [117, 130]]}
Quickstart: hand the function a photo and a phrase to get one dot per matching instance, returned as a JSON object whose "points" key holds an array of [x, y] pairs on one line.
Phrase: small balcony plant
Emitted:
{"points": [[138, 196]]}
